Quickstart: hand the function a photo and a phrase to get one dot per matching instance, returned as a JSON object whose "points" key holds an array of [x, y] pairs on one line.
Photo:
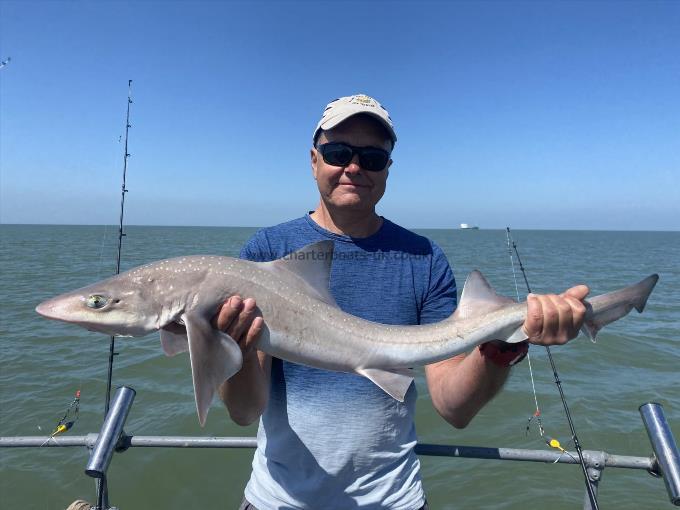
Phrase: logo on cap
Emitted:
{"points": [[363, 101]]}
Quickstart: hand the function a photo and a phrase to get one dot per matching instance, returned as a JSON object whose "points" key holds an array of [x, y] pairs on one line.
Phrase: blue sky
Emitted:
{"points": [[527, 114]]}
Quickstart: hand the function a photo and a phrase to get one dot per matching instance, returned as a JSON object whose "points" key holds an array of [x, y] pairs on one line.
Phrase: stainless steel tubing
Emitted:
{"points": [[665, 448], [110, 433]]}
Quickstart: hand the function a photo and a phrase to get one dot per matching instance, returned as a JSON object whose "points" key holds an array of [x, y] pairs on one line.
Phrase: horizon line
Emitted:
{"points": [[261, 226]]}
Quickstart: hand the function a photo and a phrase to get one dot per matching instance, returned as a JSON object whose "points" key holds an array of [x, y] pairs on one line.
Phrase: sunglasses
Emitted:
{"points": [[371, 159]]}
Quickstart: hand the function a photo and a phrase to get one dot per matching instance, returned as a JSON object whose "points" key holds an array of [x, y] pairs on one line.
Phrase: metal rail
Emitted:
{"points": [[112, 438], [595, 459]]}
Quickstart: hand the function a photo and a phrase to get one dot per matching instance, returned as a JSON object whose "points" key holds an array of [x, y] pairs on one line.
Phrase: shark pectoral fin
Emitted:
{"points": [[518, 336], [393, 382], [174, 340], [215, 357]]}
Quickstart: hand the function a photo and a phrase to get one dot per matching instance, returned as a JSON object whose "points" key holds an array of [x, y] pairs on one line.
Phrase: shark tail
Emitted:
{"points": [[605, 309]]}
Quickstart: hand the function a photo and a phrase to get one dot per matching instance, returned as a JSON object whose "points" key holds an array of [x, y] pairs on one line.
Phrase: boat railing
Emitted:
{"points": [[665, 461]]}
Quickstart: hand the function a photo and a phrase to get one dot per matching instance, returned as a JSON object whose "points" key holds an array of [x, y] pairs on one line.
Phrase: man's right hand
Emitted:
{"points": [[240, 319], [246, 394]]}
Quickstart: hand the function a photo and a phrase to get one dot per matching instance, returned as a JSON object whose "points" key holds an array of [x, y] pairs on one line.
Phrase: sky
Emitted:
{"points": [[546, 115]]}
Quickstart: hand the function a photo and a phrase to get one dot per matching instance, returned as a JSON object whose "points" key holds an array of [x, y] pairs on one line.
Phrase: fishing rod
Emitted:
{"points": [[101, 484], [577, 445], [121, 234]]}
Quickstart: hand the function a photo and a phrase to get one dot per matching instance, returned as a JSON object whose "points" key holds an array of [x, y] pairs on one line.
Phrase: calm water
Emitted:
{"points": [[42, 363]]}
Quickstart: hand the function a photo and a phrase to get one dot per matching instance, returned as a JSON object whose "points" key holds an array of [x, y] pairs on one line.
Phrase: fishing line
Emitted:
{"points": [[101, 253], [558, 382], [537, 412], [67, 421], [106, 230]]}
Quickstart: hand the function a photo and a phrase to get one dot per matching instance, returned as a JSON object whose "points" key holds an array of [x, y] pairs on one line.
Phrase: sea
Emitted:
{"points": [[43, 363]]}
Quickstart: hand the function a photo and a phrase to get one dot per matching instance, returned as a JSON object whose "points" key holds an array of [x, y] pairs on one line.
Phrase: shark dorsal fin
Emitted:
{"points": [[312, 264], [479, 297]]}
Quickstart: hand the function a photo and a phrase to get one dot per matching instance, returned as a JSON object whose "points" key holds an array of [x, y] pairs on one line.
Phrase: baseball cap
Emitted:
{"points": [[341, 109]]}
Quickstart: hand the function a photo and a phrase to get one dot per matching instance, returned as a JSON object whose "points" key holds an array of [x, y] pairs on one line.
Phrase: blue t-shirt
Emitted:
{"points": [[334, 440]]}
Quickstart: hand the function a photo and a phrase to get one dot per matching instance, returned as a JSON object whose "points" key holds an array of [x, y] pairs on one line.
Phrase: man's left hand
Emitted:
{"points": [[555, 319]]}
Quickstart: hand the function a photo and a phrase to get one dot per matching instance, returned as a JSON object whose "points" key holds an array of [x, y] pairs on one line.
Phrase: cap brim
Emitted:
{"points": [[334, 120]]}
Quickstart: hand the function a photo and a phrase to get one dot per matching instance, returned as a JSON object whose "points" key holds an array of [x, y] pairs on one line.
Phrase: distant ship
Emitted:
{"points": [[467, 226]]}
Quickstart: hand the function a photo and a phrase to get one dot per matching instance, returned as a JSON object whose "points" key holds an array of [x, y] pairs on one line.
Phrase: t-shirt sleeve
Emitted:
{"points": [[257, 248], [441, 300]]}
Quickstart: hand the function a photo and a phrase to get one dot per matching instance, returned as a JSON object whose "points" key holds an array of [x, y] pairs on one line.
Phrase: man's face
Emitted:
{"points": [[351, 186]]}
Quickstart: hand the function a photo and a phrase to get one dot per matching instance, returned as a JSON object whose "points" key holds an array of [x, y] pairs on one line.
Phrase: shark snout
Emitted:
{"points": [[59, 308], [46, 309]]}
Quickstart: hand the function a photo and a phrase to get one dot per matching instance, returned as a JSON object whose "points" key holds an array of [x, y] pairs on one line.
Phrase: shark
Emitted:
{"points": [[302, 323]]}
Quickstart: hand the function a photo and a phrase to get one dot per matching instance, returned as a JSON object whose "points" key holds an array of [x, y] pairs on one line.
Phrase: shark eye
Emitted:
{"points": [[96, 301]]}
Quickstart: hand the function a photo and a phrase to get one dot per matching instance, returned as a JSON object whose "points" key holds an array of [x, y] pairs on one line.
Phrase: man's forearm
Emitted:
{"points": [[461, 386], [245, 395]]}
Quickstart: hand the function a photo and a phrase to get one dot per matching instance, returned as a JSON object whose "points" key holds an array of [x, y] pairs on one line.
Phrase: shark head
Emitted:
{"points": [[118, 306]]}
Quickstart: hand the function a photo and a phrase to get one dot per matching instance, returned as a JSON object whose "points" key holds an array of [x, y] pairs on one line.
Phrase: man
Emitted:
{"points": [[330, 440]]}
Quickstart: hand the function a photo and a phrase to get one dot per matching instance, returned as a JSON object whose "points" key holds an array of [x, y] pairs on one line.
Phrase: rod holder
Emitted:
{"points": [[110, 433], [665, 448]]}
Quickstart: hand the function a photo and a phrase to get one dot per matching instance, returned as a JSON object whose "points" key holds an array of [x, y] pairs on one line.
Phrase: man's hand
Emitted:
{"points": [[555, 319], [240, 320], [245, 395]]}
